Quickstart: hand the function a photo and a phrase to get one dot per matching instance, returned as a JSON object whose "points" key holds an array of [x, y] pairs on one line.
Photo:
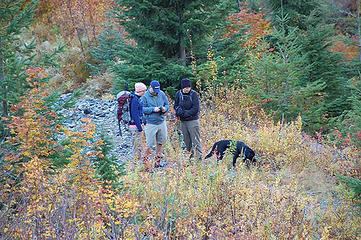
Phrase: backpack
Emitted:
{"points": [[190, 96], [123, 109]]}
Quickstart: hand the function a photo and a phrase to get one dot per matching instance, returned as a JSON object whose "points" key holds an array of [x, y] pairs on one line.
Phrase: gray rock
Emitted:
{"points": [[102, 112]]}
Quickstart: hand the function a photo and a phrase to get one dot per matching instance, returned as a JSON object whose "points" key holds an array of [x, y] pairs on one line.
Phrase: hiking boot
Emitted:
{"points": [[146, 168], [190, 157], [157, 163], [147, 165]]}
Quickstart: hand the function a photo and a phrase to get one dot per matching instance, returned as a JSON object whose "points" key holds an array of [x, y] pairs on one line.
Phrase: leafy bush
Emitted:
{"points": [[354, 184], [42, 200]]}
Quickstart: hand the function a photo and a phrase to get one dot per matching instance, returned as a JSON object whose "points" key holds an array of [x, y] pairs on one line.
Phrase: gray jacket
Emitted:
{"points": [[149, 102]]}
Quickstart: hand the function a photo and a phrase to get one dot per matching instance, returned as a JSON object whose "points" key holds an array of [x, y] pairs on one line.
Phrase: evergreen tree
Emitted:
{"points": [[325, 65], [354, 184], [164, 33], [226, 62], [108, 168], [349, 123], [105, 53], [16, 56], [321, 65], [14, 17], [132, 63], [275, 80], [296, 11]]}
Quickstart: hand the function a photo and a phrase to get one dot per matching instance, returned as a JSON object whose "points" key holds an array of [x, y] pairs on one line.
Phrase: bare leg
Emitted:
{"points": [[146, 158], [146, 153], [158, 156], [159, 149]]}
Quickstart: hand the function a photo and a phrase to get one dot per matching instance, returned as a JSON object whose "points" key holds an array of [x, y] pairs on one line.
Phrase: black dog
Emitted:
{"points": [[237, 148]]}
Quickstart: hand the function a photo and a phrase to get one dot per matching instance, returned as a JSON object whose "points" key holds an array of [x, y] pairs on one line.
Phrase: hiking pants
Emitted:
{"points": [[192, 136]]}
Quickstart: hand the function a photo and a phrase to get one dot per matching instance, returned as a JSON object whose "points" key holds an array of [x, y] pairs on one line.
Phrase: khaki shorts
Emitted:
{"points": [[155, 134]]}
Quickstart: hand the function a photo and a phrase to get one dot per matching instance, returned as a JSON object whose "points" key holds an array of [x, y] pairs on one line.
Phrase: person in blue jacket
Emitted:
{"points": [[136, 117], [155, 105]]}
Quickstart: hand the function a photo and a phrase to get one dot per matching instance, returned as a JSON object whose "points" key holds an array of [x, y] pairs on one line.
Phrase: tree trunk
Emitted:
{"points": [[182, 49], [182, 53]]}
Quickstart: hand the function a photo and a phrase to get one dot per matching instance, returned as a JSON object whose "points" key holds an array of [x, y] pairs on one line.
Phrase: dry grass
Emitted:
{"points": [[292, 194]]}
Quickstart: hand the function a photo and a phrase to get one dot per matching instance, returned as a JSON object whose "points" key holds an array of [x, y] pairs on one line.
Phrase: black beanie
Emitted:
{"points": [[185, 83]]}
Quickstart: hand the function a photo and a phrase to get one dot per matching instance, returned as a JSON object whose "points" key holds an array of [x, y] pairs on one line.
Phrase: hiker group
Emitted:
{"points": [[148, 108]]}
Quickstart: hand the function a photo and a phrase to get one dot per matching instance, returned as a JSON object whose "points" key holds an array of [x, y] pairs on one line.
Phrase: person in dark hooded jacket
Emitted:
{"points": [[187, 109]]}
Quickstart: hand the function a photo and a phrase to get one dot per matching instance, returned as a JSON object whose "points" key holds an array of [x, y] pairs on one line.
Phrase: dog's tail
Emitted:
{"points": [[210, 154]]}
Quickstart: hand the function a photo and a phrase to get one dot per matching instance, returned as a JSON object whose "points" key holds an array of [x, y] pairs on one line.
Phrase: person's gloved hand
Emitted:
{"points": [[186, 113], [179, 112], [162, 110]]}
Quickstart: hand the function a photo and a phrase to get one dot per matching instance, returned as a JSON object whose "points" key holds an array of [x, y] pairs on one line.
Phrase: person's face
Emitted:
{"points": [[141, 93], [152, 91], [186, 89]]}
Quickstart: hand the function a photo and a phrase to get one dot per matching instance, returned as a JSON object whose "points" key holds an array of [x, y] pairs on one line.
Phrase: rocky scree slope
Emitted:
{"points": [[103, 115]]}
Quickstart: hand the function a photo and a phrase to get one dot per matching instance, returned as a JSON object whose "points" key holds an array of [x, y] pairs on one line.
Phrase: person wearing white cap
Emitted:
{"points": [[155, 105]]}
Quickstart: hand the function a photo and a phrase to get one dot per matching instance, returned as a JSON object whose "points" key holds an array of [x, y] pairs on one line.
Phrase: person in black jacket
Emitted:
{"points": [[187, 109]]}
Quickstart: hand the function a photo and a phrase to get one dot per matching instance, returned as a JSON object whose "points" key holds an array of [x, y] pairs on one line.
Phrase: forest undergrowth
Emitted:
{"points": [[291, 193]]}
